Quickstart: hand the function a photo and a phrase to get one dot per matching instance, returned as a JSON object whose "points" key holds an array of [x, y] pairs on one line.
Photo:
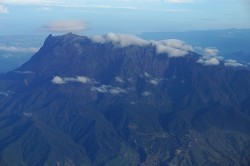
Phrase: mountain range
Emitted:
{"points": [[121, 100]]}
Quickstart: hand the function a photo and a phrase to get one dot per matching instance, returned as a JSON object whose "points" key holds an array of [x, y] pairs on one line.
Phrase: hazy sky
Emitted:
{"points": [[120, 16]]}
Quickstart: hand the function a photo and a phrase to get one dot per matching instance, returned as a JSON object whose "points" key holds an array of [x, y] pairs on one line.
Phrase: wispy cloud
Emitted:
{"points": [[179, 1], [23, 72], [109, 89], [6, 56], [66, 26], [3, 9], [18, 49], [208, 19], [119, 79], [100, 4], [46, 8], [30, 2], [4, 94], [146, 94]]}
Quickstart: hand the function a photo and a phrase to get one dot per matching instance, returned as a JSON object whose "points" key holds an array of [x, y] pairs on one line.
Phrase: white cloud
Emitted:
{"points": [[154, 81], [122, 40], [18, 49], [28, 114], [79, 79], [46, 8], [109, 89], [233, 63], [3, 9], [101, 89], [6, 56], [118, 79], [65, 26], [179, 1], [208, 52], [30, 2], [209, 62], [172, 52], [23, 72], [4, 94], [146, 74], [58, 80], [211, 51], [146, 94], [175, 43], [117, 91], [172, 47]]}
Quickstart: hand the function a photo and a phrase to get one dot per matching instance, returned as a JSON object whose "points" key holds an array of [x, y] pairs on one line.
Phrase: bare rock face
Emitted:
{"points": [[82, 102]]}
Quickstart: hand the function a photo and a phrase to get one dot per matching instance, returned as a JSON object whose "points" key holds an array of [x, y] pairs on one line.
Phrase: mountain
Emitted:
{"points": [[120, 100]]}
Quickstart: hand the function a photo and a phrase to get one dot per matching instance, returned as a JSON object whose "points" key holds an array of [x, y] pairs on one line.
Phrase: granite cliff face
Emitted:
{"points": [[82, 102]]}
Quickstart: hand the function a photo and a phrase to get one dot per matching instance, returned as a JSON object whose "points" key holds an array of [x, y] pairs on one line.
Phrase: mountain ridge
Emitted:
{"points": [[122, 103]]}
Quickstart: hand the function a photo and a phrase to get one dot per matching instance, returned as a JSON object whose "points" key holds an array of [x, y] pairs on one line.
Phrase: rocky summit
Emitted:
{"points": [[120, 100]]}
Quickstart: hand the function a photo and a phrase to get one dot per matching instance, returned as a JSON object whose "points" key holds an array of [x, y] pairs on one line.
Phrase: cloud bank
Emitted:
{"points": [[172, 47], [65, 26]]}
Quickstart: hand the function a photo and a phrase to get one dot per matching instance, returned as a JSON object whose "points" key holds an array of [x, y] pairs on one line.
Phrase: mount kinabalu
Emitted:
{"points": [[120, 100]]}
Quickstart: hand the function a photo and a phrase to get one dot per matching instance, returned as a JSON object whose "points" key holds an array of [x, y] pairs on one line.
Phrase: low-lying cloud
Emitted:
{"points": [[119, 79], [233, 63], [211, 51], [109, 89], [23, 72], [209, 62], [58, 80], [146, 94], [172, 52], [79, 79], [173, 47], [65, 26], [4, 94]]}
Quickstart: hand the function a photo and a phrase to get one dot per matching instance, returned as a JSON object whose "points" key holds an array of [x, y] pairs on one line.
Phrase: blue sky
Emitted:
{"points": [[28, 17]]}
